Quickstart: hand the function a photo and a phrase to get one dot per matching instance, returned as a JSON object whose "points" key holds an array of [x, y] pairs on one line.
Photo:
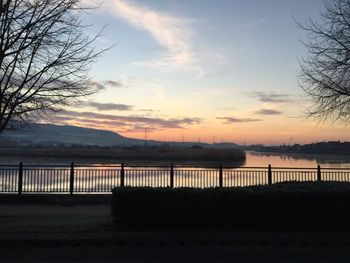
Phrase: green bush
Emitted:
{"points": [[281, 207]]}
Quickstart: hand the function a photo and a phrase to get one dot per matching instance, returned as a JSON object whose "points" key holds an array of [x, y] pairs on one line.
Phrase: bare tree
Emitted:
{"points": [[44, 57], [325, 74]]}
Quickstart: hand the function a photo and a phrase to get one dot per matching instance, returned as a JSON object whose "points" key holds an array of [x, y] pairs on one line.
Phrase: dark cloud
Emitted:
{"points": [[140, 128], [108, 106], [231, 120], [267, 112], [270, 97], [113, 83], [101, 123], [134, 120], [107, 84], [54, 118]]}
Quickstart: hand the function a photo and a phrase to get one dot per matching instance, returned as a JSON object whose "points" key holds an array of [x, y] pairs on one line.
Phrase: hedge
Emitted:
{"points": [[281, 207]]}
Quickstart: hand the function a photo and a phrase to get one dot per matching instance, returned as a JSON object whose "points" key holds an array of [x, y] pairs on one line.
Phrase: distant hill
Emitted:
{"points": [[54, 135], [50, 134]]}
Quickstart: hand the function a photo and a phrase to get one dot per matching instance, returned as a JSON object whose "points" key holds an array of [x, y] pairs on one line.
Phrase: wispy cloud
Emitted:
{"points": [[232, 120], [140, 128], [173, 33], [267, 112], [107, 84], [226, 108], [270, 97], [106, 106], [113, 83], [98, 123], [147, 110], [109, 119], [255, 23]]}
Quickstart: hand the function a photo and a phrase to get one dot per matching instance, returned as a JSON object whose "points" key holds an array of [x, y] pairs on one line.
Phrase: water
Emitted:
{"points": [[296, 160], [253, 159]]}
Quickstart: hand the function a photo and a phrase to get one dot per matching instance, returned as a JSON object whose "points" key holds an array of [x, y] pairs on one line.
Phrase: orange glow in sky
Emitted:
{"points": [[228, 72]]}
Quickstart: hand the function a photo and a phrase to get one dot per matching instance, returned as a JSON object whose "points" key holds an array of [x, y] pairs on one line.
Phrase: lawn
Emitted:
{"points": [[54, 224]]}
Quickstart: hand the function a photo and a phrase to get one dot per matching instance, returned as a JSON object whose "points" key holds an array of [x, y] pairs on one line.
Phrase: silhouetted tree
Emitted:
{"points": [[44, 57], [325, 74]]}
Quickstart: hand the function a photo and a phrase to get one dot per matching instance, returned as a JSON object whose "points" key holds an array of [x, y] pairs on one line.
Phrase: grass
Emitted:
{"points": [[58, 199], [55, 224]]}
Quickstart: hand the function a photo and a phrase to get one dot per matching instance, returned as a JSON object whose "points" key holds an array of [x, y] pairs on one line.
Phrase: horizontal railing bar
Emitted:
{"points": [[96, 166], [335, 169], [203, 166], [294, 168], [309, 168], [147, 166], [37, 165], [168, 166]]}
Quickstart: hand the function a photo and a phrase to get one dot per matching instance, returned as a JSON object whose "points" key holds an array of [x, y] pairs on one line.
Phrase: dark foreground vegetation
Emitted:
{"points": [[152, 153], [311, 206]]}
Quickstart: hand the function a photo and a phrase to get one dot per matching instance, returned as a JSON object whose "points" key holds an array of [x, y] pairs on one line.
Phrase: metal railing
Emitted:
{"points": [[103, 178]]}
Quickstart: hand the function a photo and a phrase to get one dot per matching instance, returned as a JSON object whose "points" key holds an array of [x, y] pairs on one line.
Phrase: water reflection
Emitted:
{"points": [[296, 160]]}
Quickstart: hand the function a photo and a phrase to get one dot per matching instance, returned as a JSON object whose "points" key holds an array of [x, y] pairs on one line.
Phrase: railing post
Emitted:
{"points": [[269, 175], [20, 178], [122, 175], [220, 176], [71, 179], [172, 175], [319, 179]]}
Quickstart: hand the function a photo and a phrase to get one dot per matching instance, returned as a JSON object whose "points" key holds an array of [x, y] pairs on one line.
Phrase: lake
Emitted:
{"points": [[296, 160], [253, 159]]}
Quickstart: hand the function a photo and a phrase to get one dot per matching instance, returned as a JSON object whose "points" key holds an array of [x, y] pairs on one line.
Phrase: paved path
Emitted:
{"points": [[172, 254], [54, 210]]}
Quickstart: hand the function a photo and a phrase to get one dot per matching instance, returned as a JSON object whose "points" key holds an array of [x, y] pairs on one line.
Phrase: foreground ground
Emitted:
{"points": [[78, 228], [84, 233], [172, 254]]}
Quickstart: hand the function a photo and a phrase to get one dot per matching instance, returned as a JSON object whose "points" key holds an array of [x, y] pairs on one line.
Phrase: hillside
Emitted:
{"points": [[50, 134], [61, 142], [37, 134]]}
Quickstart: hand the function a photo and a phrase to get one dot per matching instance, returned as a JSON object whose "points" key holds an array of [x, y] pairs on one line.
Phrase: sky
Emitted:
{"points": [[202, 70]]}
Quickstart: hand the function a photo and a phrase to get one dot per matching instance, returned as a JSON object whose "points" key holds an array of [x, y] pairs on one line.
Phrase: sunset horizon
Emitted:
{"points": [[180, 74]]}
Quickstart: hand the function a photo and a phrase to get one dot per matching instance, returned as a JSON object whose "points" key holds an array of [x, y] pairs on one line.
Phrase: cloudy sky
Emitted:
{"points": [[203, 70]]}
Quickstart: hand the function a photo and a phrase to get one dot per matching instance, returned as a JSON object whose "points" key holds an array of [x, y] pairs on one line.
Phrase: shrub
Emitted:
{"points": [[287, 207]]}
